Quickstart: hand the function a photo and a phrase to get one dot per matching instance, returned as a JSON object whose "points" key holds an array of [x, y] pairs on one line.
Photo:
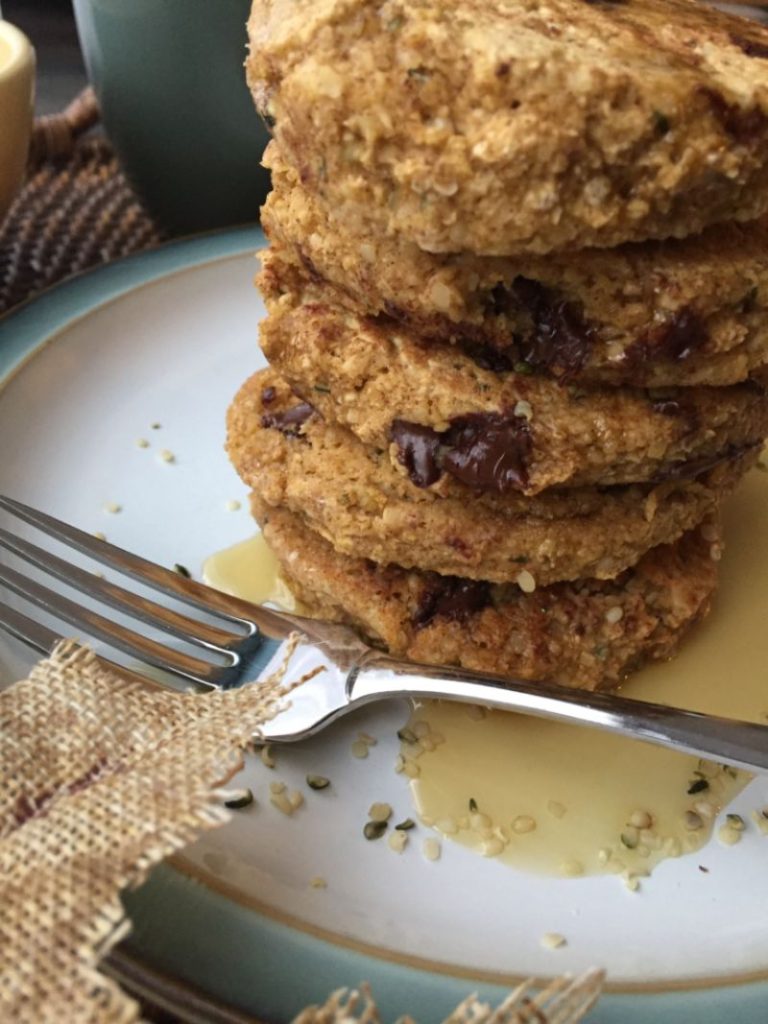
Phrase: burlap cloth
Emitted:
{"points": [[102, 777]]}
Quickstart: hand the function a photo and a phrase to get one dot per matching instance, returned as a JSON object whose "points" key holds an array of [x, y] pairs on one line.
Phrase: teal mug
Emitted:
{"points": [[170, 80]]}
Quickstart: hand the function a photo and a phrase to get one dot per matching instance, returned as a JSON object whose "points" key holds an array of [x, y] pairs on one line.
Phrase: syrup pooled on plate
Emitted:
{"points": [[560, 799], [565, 800], [249, 570]]}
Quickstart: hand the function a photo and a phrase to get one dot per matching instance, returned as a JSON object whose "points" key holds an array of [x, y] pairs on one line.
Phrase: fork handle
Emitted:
{"points": [[733, 742]]}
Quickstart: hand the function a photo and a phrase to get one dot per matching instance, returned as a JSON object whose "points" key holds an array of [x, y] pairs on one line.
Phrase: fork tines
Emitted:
{"points": [[226, 643]]}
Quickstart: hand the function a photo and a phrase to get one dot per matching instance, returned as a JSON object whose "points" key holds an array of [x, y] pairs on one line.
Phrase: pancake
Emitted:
{"points": [[587, 634], [675, 313], [509, 126], [356, 500], [498, 431]]}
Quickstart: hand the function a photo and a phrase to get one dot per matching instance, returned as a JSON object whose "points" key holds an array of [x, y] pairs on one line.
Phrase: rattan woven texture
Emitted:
{"points": [[75, 211]]}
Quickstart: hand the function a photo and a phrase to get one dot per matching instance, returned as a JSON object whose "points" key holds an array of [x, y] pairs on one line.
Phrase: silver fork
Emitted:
{"points": [[354, 673]]}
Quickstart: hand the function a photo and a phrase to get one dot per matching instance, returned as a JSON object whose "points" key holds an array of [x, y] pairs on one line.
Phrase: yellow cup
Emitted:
{"points": [[17, 98]]}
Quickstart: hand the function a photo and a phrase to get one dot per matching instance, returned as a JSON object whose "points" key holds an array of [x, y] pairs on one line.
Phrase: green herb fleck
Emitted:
{"points": [[405, 825], [242, 799], [407, 735], [182, 570], [472, 805], [322, 388], [522, 367], [698, 786], [318, 782], [374, 829]]}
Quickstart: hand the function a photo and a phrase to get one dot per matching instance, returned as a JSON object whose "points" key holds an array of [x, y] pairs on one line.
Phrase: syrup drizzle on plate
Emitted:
{"points": [[564, 800]]}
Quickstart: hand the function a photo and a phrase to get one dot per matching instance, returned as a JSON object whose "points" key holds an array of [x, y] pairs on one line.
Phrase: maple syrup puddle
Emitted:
{"points": [[250, 571], [566, 800], [559, 799]]}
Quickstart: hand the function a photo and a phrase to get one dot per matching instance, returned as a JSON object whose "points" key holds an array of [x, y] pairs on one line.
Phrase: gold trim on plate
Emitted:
{"points": [[230, 892]]}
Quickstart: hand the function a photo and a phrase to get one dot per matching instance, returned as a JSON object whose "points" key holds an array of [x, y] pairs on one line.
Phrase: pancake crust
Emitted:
{"points": [[673, 313], [587, 634], [354, 498], [506, 126], [368, 376]]}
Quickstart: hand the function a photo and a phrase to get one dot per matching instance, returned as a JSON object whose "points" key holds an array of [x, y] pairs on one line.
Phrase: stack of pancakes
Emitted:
{"points": [[518, 320]]}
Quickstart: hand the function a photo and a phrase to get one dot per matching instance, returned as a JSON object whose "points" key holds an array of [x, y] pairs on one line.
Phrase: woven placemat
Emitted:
{"points": [[75, 211]]}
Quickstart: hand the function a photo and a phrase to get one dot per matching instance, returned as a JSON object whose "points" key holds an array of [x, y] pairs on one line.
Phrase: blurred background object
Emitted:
{"points": [[50, 24], [17, 84], [170, 81]]}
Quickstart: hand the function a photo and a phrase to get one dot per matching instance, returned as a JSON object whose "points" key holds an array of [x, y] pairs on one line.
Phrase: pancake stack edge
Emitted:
{"points": [[509, 455]]}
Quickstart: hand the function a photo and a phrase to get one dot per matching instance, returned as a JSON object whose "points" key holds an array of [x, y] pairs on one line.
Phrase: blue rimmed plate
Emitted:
{"points": [[167, 338]]}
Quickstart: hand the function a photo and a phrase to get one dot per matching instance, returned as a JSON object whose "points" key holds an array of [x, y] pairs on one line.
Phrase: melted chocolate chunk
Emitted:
{"points": [[741, 124], [749, 46], [561, 338], [417, 450], [485, 451], [488, 451], [450, 597], [288, 421], [675, 339], [268, 395], [486, 356], [679, 336], [498, 300]]}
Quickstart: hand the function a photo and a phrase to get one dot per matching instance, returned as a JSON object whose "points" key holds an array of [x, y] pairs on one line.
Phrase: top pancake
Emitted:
{"points": [[508, 126]]}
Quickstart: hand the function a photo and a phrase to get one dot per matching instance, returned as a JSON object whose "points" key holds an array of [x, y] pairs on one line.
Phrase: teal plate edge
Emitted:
{"points": [[25, 328], [233, 953], [271, 970]]}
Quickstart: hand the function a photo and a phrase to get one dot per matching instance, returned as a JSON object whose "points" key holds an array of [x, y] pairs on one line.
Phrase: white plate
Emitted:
{"points": [[169, 338]]}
